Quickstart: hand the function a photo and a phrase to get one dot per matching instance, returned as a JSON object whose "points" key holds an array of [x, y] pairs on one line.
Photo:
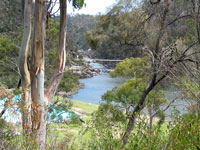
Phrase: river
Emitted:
{"points": [[96, 86]]}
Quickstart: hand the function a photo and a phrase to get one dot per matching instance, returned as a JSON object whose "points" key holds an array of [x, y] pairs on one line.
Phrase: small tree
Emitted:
{"points": [[128, 94]]}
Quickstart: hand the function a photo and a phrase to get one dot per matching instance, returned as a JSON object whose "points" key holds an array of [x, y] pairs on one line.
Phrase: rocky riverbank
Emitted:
{"points": [[84, 69], [109, 65]]}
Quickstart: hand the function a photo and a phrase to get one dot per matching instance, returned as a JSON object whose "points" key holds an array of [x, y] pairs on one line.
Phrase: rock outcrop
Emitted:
{"points": [[84, 70]]}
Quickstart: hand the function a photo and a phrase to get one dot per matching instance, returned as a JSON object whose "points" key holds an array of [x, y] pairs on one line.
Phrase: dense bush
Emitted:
{"points": [[8, 62], [183, 133]]}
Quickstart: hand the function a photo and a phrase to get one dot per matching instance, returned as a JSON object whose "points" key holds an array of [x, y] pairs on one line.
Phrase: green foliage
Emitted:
{"points": [[7, 132], [11, 18], [105, 133], [190, 90], [52, 38], [186, 132], [119, 33], [52, 35], [8, 62], [181, 133], [77, 4], [79, 62], [156, 98], [7, 135], [75, 119], [10, 38], [61, 103], [112, 116], [7, 49], [128, 93], [78, 25], [68, 82], [131, 67], [144, 138]]}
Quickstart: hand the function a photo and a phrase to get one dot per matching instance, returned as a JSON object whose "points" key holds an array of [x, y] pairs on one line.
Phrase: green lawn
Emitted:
{"points": [[79, 106], [63, 131], [84, 107]]}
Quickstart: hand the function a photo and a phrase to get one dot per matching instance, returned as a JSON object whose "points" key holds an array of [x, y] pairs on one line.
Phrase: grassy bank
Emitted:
{"points": [[61, 134], [83, 107]]}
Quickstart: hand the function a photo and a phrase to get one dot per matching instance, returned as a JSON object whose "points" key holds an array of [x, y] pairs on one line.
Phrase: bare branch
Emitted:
{"points": [[178, 18]]}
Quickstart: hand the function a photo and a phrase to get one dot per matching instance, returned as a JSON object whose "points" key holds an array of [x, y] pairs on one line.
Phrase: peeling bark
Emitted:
{"points": [[35, 113], [39, 111], [23, 67]]}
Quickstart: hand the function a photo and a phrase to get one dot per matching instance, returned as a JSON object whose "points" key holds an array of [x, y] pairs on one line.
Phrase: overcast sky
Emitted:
{"points": [[93, 7]]}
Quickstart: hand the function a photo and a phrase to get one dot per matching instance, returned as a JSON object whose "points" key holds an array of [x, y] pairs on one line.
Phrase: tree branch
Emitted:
{"points": [[55, 80]]}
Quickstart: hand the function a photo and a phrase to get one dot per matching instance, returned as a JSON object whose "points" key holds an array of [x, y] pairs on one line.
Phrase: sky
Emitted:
{"points": [[93, 7]]}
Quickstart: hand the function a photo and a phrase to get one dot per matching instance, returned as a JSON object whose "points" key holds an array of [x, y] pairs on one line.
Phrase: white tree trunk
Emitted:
{"points": [[23, 67], [33, 80], [39, 109]]}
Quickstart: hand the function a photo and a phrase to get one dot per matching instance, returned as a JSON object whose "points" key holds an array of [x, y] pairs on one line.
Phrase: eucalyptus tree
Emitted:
{"points": [[35, 99]]}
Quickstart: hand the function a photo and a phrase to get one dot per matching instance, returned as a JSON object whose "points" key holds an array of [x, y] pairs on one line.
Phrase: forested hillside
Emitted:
{"points": [[10, 38], [77, 27], [154, 103], [127, 29]]}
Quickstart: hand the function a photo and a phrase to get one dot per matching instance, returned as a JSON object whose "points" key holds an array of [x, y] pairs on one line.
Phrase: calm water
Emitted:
{"points": [[96, 86]]}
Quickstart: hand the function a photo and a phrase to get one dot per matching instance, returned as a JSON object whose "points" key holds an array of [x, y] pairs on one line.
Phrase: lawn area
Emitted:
{"points": [[83, 107], [62, 131], [78, 106]]}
